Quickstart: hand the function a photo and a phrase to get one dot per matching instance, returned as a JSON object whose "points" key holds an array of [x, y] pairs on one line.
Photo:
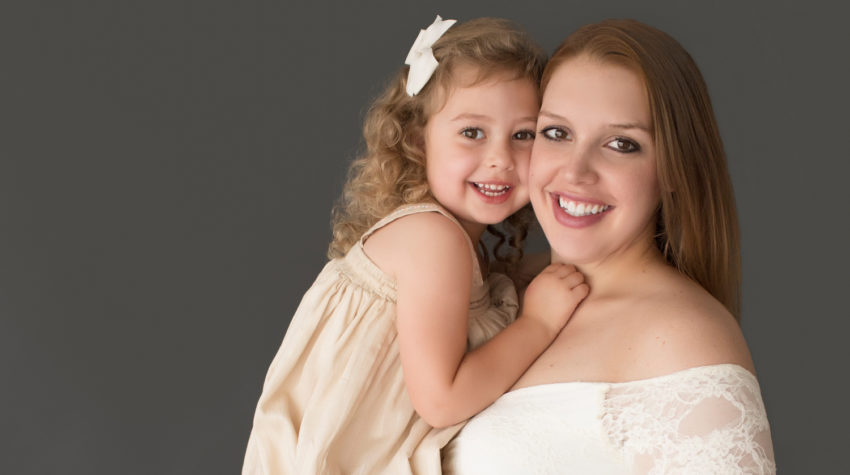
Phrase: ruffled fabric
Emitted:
{"points": [[334, 399]]}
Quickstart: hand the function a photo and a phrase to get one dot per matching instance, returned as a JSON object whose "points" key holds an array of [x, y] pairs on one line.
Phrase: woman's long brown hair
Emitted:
{"points": [[697, 222]]}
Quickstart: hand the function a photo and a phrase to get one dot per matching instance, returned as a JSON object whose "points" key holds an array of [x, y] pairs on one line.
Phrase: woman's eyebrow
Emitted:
{"points": [[623, 125], [550, 115], [631, 125]]}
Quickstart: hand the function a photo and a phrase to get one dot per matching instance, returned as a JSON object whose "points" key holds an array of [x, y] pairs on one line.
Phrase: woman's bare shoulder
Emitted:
{"points": [[682, 326]]}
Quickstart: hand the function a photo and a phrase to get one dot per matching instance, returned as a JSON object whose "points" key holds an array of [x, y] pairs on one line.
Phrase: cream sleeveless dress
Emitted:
{"points": [[334, 399]]}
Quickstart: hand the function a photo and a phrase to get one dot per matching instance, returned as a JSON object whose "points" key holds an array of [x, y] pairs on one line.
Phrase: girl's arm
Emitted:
{"points": [[431, 261], [527, 269]]}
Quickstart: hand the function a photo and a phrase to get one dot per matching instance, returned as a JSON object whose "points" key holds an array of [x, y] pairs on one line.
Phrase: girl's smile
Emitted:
{"points": [[477, 148]]}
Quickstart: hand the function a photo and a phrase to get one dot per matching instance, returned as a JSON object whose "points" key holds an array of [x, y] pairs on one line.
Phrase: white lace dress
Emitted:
{"points": [[703, 420]]}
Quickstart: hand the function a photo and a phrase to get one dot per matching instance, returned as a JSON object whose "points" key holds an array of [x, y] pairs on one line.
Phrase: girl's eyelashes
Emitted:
{"points": [[623, 145], [473, 133], [476, 133], [524, 135], [555, 133]]}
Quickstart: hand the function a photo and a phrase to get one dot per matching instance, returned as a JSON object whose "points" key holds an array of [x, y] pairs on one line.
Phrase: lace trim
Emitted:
{"points": [[709, 419]]}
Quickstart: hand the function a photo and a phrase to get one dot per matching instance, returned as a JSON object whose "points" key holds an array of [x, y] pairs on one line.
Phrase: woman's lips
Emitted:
{"points": [[577, 213]]}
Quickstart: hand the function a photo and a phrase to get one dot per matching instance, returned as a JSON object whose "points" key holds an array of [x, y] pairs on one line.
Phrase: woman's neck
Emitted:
{"points": [[619, 273]]}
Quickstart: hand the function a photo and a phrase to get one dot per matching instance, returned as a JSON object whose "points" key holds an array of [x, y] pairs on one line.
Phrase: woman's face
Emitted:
{"points": [[593, 179]]}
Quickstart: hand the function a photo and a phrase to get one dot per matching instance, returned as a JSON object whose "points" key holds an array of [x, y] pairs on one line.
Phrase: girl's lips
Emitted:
{"points": [[582, 220]]}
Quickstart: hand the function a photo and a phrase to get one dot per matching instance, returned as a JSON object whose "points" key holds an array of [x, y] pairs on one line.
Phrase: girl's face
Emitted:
{"points": [[477, 148], [593, 181]]}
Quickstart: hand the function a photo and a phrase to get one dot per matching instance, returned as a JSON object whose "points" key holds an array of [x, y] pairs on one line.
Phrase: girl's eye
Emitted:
{"points": [[555, 133], [623, 145], [473, 133], [524, 135]]}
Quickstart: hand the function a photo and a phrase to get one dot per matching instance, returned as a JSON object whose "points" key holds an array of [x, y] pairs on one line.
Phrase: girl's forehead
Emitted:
{"points": [[467, 78], [468, 75]]}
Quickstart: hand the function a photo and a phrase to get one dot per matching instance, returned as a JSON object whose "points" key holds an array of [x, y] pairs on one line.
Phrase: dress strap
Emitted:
{"points": [[427, 208]]}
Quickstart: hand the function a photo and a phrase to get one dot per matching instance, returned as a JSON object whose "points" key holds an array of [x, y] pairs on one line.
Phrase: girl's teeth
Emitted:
{"points": [[492, 190], [580, 209]]}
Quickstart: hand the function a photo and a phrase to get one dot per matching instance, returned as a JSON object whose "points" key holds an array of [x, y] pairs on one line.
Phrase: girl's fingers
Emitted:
{"points": [[563, 270], [574, 279], [581, 289]]}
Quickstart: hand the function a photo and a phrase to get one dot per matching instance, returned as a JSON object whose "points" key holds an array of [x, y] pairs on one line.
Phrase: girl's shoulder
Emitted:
{"points": [[415, 240]]}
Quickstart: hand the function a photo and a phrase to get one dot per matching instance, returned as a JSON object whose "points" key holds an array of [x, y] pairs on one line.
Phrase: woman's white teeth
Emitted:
{"points": [[580, 209], [492, 190]]}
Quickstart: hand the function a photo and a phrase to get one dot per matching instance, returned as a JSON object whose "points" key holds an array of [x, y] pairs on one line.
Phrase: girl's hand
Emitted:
{"points": [[552, 297]]}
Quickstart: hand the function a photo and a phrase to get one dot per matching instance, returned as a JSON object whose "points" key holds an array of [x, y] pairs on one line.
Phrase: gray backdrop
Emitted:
{"points": [[167, 171]]}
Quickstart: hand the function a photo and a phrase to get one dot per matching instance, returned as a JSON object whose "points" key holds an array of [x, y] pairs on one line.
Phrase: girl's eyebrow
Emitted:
{"points": [[482, 117], [470, 116]]}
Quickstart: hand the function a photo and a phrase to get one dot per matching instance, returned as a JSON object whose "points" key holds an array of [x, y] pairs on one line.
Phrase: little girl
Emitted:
{"points": [[393, 346]]}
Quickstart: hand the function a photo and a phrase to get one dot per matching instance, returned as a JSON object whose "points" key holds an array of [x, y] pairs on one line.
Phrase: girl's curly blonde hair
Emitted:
{"points": [[391, 173]]}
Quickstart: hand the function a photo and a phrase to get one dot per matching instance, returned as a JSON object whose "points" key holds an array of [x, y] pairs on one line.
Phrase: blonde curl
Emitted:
{"points": [[391, 171]]}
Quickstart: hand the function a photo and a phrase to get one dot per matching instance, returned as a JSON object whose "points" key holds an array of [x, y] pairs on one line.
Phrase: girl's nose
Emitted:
{"points": [[500, 156]]}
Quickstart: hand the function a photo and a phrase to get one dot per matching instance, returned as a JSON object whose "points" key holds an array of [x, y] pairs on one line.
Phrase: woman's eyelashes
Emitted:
{"points": [[476, 133], [623, 145], [617, 144], [555, 133]]}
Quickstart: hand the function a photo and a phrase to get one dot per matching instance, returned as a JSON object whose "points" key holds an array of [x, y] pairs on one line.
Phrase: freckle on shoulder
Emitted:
{"points": [[689, 328]]}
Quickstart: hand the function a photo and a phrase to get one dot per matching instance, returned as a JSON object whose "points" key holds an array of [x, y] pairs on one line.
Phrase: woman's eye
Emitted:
{"points": [[555, 133], [524, 135], [623, 145], [473, 133]]}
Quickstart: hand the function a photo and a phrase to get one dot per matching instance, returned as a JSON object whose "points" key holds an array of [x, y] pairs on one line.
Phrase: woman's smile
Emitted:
{"points": [[593, 180]]}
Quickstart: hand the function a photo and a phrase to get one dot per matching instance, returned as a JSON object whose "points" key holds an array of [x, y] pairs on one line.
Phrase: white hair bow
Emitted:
{"points": [[421, 59]]}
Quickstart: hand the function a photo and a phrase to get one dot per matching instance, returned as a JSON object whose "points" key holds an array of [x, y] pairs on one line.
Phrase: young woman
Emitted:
{"points": [[629, 181]]}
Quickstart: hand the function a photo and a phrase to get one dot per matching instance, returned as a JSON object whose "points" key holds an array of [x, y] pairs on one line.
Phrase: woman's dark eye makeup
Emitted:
{"points": [[623, 145], [554, 133], [618, 144]]}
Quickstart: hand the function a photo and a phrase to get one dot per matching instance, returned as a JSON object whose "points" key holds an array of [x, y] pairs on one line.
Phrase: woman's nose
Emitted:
{"points": [[578, 166]]}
